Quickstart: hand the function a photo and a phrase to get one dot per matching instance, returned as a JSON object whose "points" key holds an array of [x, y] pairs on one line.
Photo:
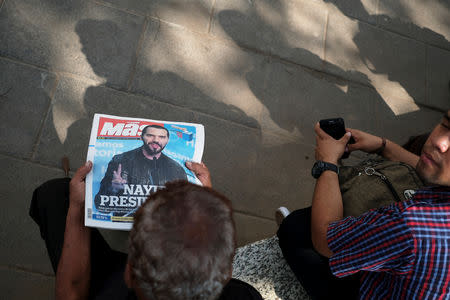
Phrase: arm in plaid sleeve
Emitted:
{"points": [[378, 240]]}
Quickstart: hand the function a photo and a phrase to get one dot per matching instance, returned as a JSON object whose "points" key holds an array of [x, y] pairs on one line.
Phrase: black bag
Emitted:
{"points": [[374, 183]]}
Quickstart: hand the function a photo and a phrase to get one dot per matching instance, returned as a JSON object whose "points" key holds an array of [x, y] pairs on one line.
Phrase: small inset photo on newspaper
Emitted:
{"points": [[133, 158]]}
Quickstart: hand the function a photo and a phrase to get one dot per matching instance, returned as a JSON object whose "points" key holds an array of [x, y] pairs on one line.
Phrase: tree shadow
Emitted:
{"points": [[376, 63], [320, 94], [98, 45]]}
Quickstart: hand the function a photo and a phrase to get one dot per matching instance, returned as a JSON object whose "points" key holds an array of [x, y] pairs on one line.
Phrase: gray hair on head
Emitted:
{"points": [[182, 243]]}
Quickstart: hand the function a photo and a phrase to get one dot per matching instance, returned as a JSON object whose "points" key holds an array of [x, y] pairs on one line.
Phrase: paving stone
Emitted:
{"points": [[24, 103], [189, 70], [21, 241], [71, 36], [422, 20], [19, 285], [67, 129], [365, 10], [258, 178], [241, 149], [192, 14], [438, 78], [210, 77], [289, 29], [399, 128], [252, 229], [297, 99], [395, 66]]}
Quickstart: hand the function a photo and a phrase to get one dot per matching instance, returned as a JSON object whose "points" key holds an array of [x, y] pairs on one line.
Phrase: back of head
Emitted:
{"points": [[182, 243]]}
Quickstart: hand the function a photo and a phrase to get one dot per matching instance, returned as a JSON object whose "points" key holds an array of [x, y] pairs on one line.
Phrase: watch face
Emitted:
{"points": [[321, 166], [317, 169]]}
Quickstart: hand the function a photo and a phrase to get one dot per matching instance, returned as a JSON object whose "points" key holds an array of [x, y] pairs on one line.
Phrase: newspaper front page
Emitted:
{"points": [[132, 158]]}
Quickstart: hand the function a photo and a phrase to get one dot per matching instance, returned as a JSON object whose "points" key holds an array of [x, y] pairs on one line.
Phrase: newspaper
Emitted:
{"points": [[132, 158]]}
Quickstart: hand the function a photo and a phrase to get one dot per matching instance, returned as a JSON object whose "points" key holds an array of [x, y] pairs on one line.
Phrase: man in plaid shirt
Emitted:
{"points": [[401, 251]]}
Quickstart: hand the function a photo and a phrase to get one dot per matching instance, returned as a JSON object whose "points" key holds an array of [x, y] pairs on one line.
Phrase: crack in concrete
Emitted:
{"points": [[138, 51], [6, 93], [21, 269]]}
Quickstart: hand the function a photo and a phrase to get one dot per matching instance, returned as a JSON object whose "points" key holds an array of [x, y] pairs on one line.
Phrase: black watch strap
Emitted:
{"points": [[321, 166]]}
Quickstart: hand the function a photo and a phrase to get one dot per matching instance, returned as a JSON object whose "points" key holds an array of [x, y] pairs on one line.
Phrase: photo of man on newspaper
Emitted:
{"points": [[133, 158], [146, 166]]}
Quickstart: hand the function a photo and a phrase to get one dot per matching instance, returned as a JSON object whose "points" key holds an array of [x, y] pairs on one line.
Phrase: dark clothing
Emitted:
{"points": [[49, 208], [137, 170], [239, 290], [310, 267]]}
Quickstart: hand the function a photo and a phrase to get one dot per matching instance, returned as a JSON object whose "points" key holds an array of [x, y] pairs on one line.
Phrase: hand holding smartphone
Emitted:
{"points": [[335, 128]]}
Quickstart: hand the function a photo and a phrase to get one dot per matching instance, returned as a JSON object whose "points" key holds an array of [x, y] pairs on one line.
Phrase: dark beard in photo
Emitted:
{"points": [[152, 151]]}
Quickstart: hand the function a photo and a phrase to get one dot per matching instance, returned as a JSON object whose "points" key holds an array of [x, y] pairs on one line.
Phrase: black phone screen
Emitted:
{"points": [[333, 127], [336, 129]]}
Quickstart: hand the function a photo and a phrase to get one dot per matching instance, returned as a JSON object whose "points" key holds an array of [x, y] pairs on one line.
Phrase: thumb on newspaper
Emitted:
{"points": [[82, 171], [77, 184], [201, 171]]}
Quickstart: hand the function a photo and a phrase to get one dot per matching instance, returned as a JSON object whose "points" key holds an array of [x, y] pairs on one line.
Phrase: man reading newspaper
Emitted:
{"points": [[181, 245]]}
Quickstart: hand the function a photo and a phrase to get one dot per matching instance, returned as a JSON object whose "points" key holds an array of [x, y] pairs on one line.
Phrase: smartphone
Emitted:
{"points": [[336, 129]]}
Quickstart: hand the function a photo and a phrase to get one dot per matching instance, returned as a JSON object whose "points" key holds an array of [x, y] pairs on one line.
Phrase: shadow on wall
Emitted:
{"points": [[292, 103], [99, 45], [295, 103], [98, 39], [394, 69], [377, 63], [295, 98], [404, 13]]}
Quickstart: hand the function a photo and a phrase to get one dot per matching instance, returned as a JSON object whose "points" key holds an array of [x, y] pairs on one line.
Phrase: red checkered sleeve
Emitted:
{"points": [[378, 240]]}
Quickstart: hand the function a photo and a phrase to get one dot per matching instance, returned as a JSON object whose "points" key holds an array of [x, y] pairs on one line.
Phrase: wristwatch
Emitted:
{"points": [[321, 166]]}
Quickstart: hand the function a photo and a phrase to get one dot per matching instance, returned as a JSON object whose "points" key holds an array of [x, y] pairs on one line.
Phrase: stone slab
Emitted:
{"points": [[193, 71], [250, 229], [21, 244], [262, 161], [24, 103], [438, 78], [283, 99], [78, 37], [364, 10], [296, 99], [227, 82], [293, 30], [395, 66], [19, 285], [427, 21], [399, 128], [67, 129], [258, 177], [396, 127], [192, 14]]}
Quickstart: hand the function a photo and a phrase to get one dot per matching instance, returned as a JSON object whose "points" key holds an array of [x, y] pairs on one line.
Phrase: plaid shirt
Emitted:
{"points": [[403, 249]]}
